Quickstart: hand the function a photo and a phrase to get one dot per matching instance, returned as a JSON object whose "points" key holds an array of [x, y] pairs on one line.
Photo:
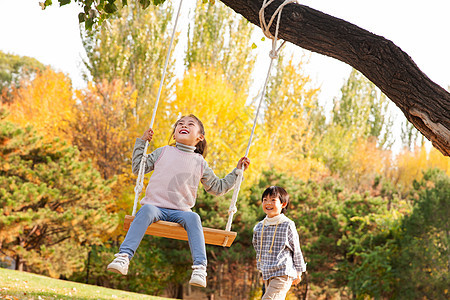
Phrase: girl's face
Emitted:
{"points": [[272, 206], [188, 132]]}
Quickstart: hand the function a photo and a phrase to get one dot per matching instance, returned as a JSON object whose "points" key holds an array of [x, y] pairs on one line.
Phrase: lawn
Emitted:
{"points": [[22, 285]]}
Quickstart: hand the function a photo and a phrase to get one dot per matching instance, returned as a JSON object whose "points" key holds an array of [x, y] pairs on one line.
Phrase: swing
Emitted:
{"points": [[176, 231], [212, 236]]}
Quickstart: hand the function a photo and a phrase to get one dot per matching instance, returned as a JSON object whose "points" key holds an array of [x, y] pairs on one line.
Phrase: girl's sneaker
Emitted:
{"points": [[119, 264], [198, 277]]}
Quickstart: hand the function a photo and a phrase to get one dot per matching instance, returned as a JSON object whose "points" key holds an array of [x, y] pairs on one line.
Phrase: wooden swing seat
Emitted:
{"points": [[176, 231]]}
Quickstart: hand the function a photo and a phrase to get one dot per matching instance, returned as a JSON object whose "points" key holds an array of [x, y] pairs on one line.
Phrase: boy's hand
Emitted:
{"points": [[148, 135], [297, 280], [244, 161]]}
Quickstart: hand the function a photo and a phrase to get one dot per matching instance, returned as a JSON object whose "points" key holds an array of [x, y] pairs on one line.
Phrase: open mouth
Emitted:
{"points": [[183, 131]]}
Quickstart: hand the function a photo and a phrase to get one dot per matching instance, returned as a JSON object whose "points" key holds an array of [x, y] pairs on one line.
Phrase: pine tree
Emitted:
{"points": [[53, 206]]}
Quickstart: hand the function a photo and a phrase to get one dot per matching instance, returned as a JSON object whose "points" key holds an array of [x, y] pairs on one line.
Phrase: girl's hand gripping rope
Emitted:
{"points": [[244, 161], [148, 135]]}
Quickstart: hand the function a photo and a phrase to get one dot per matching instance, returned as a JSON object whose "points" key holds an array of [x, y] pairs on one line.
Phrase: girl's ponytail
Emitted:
{"points": [[202, 148]]}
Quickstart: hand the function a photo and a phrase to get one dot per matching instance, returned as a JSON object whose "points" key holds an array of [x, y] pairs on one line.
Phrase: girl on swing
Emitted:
{"points": [[172, 190]]}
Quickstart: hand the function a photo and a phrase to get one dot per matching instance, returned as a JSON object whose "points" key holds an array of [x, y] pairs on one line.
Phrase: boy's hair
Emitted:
{"points": [[202, 146], [279, 192]]}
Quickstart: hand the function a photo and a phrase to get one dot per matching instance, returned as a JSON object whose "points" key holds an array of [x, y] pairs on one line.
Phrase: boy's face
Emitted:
{"points": [[272, 206]]}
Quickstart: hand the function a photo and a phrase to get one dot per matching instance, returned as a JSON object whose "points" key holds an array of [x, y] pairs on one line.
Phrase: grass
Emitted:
{"points": [[16, 285]]}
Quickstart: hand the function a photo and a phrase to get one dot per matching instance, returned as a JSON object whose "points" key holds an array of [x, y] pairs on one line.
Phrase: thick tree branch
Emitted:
{"points": [[425, 104]]}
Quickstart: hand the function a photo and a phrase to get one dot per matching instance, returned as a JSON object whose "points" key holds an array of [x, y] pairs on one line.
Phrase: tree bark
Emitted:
{"points": [[424, 103]]}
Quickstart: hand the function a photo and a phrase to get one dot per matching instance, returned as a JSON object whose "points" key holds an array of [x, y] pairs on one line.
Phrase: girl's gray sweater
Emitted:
{"points": [[212, 184]]}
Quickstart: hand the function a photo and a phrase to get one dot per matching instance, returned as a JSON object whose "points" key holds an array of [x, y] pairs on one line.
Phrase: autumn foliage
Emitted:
{"points": [[363, 209], [45, 102]]}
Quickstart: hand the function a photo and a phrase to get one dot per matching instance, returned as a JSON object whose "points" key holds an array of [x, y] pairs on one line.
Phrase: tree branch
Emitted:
{"points": [[424, 103]]}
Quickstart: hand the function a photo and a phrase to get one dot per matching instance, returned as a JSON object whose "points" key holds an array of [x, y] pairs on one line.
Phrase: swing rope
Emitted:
{"points": [[273, 54], [140, 179]]}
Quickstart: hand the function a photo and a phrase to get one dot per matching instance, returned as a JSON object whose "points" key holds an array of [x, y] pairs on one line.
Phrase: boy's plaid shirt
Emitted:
{"points": [[286, 257]]}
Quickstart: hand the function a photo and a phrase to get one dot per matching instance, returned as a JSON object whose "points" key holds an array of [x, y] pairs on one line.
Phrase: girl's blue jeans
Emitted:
{"points": [[150, 213]]}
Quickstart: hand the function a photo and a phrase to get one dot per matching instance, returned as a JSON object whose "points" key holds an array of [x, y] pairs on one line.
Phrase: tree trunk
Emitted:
{"points": [[245, 292], [179, 294], [220, 280], [188, 290], [425, 104], [87, 266], [19, 263], [305, 295]]}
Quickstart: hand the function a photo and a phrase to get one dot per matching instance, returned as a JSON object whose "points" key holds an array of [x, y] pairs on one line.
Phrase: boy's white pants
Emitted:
{"points": [[277, 288]]}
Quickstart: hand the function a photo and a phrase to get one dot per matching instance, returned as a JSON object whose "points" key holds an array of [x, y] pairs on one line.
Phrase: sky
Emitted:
{"points": [[420, 28]]}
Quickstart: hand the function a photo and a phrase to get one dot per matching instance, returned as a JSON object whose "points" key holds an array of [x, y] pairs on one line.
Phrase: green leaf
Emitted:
{"points": [[88, 3], [144, 3], [254, 46], [81, 17], [110, 8], [89, 23], [63, 2]]}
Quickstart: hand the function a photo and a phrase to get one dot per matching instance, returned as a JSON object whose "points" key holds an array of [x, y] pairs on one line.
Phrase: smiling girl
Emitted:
{"points": [[275, 239], [172, 191]]}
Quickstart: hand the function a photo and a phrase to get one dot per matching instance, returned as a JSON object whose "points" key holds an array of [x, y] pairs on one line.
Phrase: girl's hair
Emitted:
{"points": [[278, 192], [202, 146]]}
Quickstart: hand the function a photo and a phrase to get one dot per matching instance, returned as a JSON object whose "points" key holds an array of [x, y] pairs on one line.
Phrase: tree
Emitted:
{"points": [[219, 40], [424, 242], [427, 106], [287, 135], [45, 102], [104, 125], [410, 136], [13, 69], [410, 260], [53, 205], [335, 147], [355, 143], [410, 165], [133, 50], [209, 96], [363, 110]]}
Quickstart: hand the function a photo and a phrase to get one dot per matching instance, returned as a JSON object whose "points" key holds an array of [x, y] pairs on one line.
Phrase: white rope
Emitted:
{"points": [[140, 179], [273, 54], [266, 26]]}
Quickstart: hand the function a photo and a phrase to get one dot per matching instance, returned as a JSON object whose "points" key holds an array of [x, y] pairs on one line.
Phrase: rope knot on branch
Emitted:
{"points": [[273, 54]]}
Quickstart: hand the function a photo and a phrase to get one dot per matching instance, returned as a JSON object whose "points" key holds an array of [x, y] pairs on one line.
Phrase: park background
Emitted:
{"points": [[369, 197]]}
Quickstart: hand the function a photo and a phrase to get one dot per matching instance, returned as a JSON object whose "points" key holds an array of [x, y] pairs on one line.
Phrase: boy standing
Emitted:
{"points": [[275, 239]]}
